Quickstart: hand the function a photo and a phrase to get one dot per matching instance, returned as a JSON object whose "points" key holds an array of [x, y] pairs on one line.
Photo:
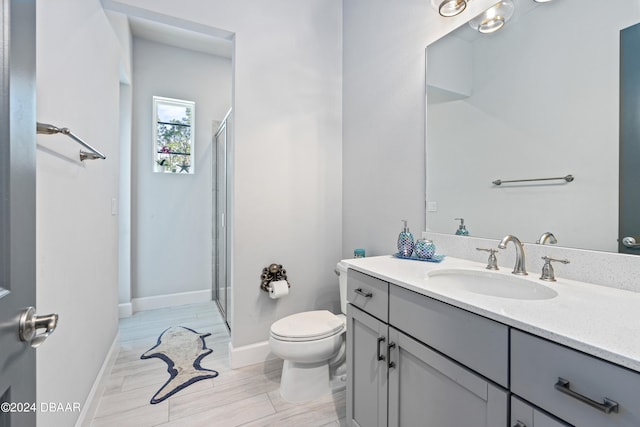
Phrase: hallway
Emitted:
{"points": [[247, 396]]}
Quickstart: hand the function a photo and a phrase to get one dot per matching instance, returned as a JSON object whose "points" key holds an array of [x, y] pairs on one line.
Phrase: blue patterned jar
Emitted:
{"points": [[425, 249], [405, 241]]}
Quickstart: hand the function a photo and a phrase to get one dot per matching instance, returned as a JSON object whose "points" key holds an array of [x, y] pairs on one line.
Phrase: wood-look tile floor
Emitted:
{"points": [[247, 396]]}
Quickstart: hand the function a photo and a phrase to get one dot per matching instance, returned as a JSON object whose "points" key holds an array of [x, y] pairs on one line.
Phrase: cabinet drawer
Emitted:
{"points": [[369, 294], [537, 365], [476, 342], [524, 415]]}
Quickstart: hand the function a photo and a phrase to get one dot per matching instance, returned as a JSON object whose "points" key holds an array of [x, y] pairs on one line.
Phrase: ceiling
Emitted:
{"points": [[180, 37]]}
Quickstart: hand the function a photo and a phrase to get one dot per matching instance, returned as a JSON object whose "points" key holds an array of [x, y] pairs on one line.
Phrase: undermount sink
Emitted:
{"points": [[490, 283]]}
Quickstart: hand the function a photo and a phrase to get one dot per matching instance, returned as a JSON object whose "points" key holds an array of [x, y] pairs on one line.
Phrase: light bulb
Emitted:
{"points": [[494, 18], [449, 8]]}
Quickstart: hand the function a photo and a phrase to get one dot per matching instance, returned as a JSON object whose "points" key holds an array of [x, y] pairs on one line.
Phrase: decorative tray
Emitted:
{"points": [[435, 258]]}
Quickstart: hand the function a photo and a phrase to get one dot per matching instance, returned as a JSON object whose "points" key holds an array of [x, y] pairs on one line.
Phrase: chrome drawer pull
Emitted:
{"points": [[359, 291], [607, 407], [380, 341]]}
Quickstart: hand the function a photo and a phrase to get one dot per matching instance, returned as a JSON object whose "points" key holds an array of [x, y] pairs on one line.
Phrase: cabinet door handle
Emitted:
{"points": [[359, 291], [608, 406], [519, 424], [390, 364], [380, 341]]}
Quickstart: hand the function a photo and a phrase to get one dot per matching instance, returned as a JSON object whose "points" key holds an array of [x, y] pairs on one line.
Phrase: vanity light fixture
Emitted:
{"points": [[449, 8], [494, 18]]}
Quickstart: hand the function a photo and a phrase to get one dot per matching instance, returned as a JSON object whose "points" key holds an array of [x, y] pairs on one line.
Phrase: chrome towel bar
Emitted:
{"points": [[567, 178], [47, 129]]}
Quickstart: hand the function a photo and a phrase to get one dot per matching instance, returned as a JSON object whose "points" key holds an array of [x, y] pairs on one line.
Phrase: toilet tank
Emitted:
{"points": [[341, 269]]}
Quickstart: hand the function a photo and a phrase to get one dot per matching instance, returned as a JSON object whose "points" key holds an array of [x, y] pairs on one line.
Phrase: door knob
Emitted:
{"points": [[30, 322], [630, 242]]}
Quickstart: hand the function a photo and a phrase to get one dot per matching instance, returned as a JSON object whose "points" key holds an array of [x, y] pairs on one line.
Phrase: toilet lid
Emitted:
{"points": [[309, 325]]}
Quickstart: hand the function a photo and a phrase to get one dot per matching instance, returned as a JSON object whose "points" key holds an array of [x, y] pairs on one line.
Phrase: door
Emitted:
{"points": [[221, 206], [17, 209], [629, 222], [366, 370], [426, 388], [524, 415]]}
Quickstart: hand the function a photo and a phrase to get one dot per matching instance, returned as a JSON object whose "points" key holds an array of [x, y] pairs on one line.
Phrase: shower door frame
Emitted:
{"points": [[221, 277]]}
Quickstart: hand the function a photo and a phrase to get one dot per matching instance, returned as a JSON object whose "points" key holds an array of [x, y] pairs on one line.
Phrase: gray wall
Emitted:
{"points": [[172, 213], [384, 122]]}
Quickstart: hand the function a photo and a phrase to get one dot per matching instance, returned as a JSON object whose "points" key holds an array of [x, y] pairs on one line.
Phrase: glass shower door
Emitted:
{"points": [[221, 277]]}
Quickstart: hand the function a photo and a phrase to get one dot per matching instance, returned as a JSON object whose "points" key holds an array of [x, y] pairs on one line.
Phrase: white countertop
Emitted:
{"points": [[597, 320]]}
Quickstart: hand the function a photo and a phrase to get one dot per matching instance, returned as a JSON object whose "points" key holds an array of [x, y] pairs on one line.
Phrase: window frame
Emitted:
{"points": [[157, 101]]}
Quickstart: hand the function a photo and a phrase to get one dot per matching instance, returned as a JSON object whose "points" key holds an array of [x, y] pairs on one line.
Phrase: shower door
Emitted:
{"points": [[221, 276]]}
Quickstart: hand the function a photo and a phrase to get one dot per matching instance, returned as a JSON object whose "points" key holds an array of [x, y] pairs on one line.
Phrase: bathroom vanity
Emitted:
{"points": [[423, 351]]}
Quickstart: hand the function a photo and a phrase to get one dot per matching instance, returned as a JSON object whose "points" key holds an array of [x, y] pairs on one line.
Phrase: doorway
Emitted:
{"points": [[173, 235]]}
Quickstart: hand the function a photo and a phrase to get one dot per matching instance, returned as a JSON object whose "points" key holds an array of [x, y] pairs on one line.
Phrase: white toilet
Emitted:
{"points": [[312, 345]]}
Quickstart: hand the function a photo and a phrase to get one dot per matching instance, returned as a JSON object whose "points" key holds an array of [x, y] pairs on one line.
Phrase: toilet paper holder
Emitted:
{"points": [[272, 273]]}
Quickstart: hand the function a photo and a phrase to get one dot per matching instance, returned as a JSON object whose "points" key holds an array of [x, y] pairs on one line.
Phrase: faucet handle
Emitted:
{"points": [[547, 269], [492, 262]]}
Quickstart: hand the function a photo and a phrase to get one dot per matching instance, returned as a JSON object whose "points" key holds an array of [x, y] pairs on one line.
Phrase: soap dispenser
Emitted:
{"points": [[405, 241], [462, 230]]}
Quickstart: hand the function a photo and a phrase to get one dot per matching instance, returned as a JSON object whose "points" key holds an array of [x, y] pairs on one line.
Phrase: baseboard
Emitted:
{"points": [[93, 399], [250, 354], [162, 301], [125, 310]]}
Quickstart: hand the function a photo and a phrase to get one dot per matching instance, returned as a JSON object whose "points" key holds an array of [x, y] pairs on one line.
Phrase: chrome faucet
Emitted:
{"points": [[547, 237], [519, 268]]}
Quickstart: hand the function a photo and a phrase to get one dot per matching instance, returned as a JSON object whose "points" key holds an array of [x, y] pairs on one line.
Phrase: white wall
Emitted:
{"points": [[77, 250], [172, 213], [120, 25], [384, 122], [287, 163]]}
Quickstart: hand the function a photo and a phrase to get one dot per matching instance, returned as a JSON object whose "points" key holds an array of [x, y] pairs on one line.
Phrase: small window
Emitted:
{"points": [[173, 133]]}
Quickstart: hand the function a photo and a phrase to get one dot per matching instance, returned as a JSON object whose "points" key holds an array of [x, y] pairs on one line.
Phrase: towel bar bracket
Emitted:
{"points": [[92, 154]]}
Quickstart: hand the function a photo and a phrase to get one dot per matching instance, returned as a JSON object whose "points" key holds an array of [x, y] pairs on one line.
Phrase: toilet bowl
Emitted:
{"points": [[312, 345]]}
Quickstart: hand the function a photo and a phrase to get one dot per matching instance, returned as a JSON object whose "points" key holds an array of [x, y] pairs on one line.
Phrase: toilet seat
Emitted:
{"points": [[307, 326]]}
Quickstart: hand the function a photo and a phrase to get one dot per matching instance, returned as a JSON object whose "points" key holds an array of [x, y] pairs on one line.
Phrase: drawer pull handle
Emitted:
{"points": [[519, 424], [390, 364], [607, 407], [359, 291], [380, 341]]}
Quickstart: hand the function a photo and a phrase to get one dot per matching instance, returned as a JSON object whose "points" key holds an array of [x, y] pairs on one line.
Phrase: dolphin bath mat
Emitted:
{"points": [[182, 349]]}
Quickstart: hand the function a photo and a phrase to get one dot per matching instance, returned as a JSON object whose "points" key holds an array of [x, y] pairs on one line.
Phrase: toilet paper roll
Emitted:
{"points": [[278, 289]]}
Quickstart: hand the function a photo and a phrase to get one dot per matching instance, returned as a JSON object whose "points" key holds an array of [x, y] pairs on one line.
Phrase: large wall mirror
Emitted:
{"points": [[539, 98]]}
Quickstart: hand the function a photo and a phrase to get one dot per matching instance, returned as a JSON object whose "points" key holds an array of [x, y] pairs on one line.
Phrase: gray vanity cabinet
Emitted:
{"points": [[413, 361], [397, 381]]}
